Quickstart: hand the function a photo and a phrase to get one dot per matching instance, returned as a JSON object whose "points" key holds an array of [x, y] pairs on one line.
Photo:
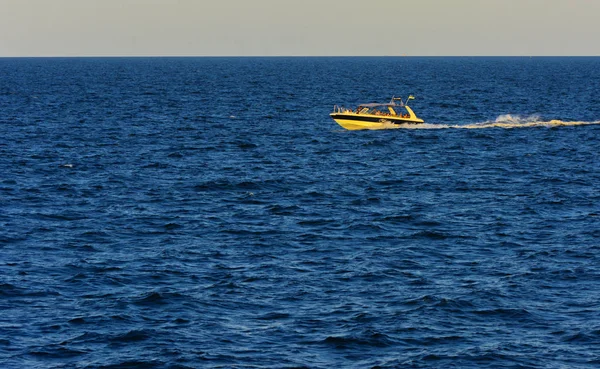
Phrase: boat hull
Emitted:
{"points": [[355, 122]]}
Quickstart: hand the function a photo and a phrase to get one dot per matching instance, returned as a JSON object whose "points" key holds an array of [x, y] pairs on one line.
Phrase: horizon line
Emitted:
{"points": [[292, 56]]}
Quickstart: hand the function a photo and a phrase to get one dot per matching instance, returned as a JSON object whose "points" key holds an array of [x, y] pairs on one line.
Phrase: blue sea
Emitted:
{"points": [[208, 213]]}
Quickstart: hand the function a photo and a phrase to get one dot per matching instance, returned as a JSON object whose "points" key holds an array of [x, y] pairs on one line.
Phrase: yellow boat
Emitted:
{"points": [[376, 116]]}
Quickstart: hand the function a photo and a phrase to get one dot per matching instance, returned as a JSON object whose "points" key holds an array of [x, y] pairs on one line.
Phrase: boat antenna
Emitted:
{"points": [[397, 98]]}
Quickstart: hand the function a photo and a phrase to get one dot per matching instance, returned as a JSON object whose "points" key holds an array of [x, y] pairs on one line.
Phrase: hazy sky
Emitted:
{"points": [[299, 27]]}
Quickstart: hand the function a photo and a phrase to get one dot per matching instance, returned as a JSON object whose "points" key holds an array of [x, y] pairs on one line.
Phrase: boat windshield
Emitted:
{"points": [[382, 109]]}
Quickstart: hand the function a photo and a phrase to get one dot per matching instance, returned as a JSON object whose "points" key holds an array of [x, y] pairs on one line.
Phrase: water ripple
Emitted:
{"points": [[207, 212]]}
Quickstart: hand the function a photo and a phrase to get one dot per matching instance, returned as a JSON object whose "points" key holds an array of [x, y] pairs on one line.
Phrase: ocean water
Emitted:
{"points": [[208, 213]]}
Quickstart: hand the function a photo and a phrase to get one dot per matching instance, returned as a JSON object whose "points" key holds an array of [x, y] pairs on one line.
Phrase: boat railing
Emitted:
{"points": [[340, 109]]}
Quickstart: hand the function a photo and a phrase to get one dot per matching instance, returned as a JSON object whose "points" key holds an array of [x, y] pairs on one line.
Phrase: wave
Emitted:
{"points": [[506, 121], [515, 121]]}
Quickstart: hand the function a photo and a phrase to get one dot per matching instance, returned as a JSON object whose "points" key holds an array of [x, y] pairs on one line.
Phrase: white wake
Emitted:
{"points": [[506, 121]]}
